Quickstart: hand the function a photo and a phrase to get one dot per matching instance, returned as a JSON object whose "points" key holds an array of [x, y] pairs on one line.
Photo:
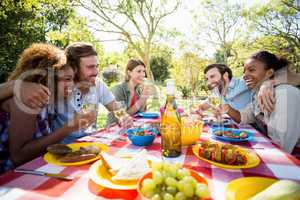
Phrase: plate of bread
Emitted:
{"points": [[262, 188], [120, 172], [74, 154]]}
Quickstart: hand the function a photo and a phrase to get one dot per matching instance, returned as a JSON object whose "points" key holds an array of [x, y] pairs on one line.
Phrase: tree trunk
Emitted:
{"points": [[146, 60]]}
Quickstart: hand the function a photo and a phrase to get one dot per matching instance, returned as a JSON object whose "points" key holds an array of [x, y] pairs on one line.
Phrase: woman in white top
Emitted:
{"points": [[282, 125]]}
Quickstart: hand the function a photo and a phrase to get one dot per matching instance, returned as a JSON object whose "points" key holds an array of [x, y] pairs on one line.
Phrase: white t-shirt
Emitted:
{"points": [[100, 90], [284, 122], [67, 109]]}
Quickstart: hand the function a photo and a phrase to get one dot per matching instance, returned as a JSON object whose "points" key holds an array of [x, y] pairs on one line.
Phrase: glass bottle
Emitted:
{"points": [[171, 124]]}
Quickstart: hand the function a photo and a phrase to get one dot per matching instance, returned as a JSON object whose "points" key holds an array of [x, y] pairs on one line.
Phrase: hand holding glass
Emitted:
{"points": [[89, 104]]}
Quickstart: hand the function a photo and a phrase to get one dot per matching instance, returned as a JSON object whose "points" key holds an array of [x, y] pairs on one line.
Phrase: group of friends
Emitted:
{"points": [[41, 102]]}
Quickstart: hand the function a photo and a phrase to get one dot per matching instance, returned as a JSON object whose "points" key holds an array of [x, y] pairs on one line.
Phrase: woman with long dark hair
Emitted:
{"points": [[282, 125], [25, 133]]}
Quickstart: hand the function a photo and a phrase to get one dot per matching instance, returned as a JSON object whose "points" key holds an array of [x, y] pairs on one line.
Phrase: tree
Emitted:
{"points": [[218, 21], [76, 31], [160, 68], [135, 22], [24, 22], [187, 71], [281, 19]]}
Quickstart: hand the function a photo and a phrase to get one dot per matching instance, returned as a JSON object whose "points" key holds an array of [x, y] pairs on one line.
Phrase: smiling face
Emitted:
{"points": [[137, 75], [213, 78], [65, 82], [88, 70], [255, 73]]}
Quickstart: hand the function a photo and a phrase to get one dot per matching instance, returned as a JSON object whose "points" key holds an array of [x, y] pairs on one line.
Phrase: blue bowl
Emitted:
{"points": [[140, 140]]}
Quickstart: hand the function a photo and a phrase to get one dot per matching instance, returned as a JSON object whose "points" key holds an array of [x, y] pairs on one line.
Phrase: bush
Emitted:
{"points": [[160, 68], [111, 75], [185, 91]]}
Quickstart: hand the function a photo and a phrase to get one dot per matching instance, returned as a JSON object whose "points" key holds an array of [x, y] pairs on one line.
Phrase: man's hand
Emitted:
{"points": [[33, 95], [82, 120], [266, 97], [221, 110]]}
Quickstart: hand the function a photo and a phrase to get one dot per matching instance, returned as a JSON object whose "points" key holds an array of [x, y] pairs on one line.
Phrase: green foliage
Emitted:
{"points": [[279, 19], [111, 75], [76, 31], [24, 22], [188, 70], [186, 91], [160, 68]]}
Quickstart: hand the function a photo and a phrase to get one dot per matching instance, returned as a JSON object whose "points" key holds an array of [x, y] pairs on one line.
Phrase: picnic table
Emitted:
{"points": [[275, 163]]}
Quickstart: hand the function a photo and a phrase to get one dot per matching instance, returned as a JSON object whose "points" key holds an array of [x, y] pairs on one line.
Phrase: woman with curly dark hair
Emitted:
{"points": [[24, 132], [282, 125]]}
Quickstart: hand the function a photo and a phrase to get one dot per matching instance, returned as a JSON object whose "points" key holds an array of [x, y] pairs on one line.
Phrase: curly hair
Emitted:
{"points": [[38, 56]]}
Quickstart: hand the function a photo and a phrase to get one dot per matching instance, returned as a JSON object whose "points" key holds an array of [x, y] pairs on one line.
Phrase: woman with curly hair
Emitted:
{"points": [[25, 133], [282, 125]]}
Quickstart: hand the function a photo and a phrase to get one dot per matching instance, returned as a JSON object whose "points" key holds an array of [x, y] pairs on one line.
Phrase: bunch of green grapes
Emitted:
{"points": [[172, 182]]}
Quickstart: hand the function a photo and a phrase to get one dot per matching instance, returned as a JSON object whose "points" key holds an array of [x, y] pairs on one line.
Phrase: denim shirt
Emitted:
{"points": [[238, 96]]}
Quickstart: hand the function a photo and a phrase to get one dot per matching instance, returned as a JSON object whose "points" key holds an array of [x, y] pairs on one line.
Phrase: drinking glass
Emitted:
{"points": [[215, 101], [90, 104], [119, 110]]}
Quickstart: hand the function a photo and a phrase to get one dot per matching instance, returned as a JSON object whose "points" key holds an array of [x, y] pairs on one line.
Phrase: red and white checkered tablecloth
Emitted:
{"points": [[275, 163]]}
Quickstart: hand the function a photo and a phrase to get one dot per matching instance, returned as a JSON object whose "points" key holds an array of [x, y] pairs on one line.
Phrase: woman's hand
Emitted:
{"points": [[266, 97], [126, 121], [146, 92]]}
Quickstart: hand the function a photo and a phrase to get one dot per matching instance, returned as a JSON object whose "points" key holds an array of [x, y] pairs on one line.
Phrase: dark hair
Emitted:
{"points": [[270, 60], [40, 56], [76, 51], [132, 63], [221, 68]]}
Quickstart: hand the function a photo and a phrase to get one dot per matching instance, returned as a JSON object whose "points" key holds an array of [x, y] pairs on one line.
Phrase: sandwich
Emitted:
{"points": [[124, 169], [112, 163]]}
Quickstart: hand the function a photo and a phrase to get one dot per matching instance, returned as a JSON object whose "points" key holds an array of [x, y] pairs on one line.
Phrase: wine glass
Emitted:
{"points": [[216, 100], [90, 104], [119, 110], [152, 95]]}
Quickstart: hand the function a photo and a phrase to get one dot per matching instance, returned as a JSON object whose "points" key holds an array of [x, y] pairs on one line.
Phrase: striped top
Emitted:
{"points": [[42, 130]]}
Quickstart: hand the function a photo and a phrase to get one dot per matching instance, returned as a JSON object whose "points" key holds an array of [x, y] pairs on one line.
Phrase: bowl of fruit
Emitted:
{"points": [[141, 136], [172, 181]]}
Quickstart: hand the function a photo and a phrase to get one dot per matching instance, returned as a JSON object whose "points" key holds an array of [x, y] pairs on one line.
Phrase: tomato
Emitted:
{"points": [[223, 154], [232, 160]]}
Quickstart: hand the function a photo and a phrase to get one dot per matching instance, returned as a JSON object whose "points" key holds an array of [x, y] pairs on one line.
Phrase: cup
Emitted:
{"points": [[191, 129]]}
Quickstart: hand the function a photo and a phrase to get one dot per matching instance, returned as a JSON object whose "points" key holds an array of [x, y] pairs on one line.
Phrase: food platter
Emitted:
{"points": [[251, 159], [53, 159]]}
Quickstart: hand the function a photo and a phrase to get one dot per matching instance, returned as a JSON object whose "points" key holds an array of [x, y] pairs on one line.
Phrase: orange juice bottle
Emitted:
{"points": [[171, 124]]}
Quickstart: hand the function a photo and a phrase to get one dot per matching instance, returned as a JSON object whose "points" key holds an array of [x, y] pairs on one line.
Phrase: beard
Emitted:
{"points": [[219, 85]]}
